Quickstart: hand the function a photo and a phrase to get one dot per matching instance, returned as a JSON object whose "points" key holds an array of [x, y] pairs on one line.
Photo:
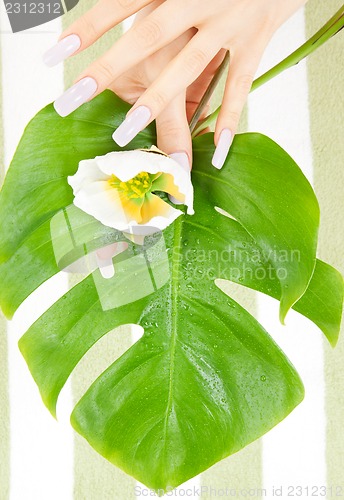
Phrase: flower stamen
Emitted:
{"points": [[137, 187]]}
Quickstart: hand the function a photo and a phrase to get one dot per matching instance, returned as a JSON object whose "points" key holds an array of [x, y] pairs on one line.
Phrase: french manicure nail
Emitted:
{"points": [[222, 148], [132, 125], [183, 160], [75, 96], [63, 49]]}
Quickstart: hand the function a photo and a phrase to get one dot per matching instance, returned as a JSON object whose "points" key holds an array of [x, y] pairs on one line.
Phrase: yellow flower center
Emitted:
{"points": [[136, 187]]}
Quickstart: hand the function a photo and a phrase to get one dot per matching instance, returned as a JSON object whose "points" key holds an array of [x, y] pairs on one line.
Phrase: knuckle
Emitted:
{"points": [[159, 99], [88, 27], [126, 4], [244, 83], [196, 61], [104, 70], [169, 129], [233, 117], [268, 22], [147, 33]]}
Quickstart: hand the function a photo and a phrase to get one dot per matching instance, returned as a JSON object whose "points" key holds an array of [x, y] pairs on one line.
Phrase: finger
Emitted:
{"points": [[176, 77], [144, 38], [197, 89], [173, 132], [174, 136], [238, 85], [92, 25]]}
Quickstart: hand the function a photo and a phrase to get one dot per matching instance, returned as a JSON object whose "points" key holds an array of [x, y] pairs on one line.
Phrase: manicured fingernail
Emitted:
{"points": [[183, 160], [63, 49], [75, 96], [132, 125], [222, 148]]}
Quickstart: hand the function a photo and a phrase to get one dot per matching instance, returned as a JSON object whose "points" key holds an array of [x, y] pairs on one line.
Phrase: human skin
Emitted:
{"points": [[171, 53]]}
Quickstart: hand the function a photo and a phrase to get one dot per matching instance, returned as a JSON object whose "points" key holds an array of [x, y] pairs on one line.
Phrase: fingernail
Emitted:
{"points": [[75, 96], [63, 49], [222, 148], [106, 267], [104, 258], [183, 160], [132, 125]]}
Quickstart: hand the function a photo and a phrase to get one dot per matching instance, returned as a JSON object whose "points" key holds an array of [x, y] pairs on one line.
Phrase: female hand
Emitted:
{"points": [[244, 27], [172, 124]]}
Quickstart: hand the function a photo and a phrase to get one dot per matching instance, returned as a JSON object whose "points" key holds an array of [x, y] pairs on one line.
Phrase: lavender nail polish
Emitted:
{"points": [[75, 96], [222, 148], [63, 49], [132, 125], [182, 158]]}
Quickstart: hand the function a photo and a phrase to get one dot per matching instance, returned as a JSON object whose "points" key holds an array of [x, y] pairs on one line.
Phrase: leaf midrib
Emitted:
{"points": [[173, 316]]}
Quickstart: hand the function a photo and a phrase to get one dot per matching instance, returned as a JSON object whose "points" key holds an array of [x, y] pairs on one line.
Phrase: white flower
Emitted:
{"points": [[118, 190]]}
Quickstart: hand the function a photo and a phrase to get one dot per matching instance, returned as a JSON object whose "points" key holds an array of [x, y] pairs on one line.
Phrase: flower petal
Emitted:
{"points": [[165, 182], [156, 212], [87, 172], [104, 203], [127, 164]]}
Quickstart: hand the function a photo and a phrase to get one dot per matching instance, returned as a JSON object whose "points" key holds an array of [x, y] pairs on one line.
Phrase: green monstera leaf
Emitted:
{"points": [[205, 379]]}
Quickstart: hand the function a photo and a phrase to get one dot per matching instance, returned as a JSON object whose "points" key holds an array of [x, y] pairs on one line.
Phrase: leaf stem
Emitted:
{"points": [[331, 28]]}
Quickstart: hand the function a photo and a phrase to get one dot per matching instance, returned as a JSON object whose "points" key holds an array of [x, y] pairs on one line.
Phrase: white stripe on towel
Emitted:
{"points": [[41, 449], [294, 451]]}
